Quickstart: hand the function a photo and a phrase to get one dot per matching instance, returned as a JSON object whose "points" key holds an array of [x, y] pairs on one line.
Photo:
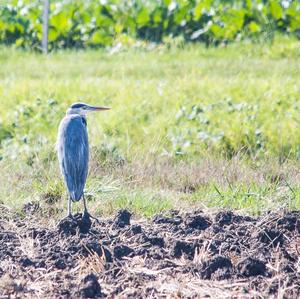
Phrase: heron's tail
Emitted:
{"points": [[75, 196]]}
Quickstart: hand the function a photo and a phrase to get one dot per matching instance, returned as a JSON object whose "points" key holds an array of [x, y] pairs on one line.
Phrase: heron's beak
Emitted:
{"points": [[94, 108]]}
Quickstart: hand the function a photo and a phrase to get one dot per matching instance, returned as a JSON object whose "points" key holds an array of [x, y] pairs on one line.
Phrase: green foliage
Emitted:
{"points": [[17, 135], [197, 127], [230, 128], [94, 23]]}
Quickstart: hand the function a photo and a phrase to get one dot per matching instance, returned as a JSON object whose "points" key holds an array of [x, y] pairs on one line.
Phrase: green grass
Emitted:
{"points": [[153, 150]]}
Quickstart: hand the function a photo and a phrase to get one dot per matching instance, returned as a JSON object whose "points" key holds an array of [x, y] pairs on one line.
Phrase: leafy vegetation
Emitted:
{"points": [[110, 22], [250, 132], [211, 127]]}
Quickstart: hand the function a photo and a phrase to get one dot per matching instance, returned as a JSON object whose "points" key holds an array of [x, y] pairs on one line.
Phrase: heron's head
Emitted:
{"points": [[83, 109]]}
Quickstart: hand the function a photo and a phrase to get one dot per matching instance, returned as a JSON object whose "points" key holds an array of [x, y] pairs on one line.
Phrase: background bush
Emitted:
{"points": [[98, 23]]}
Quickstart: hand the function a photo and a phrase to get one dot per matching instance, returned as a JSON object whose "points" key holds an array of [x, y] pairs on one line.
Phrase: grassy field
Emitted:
{"points": [[189, 126]]}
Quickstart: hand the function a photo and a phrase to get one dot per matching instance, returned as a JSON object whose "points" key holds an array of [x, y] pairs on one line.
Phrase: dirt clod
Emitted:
{"points": [[197, 222], [122, 251], [26, 262], [72, 225], [251, 267], [181, 247], [136, 229], [271, 237], [122, 218], [224, 218], [60, 264], [157, 241], [290, 221], [90, 287], [215, 264], [173, 218]]}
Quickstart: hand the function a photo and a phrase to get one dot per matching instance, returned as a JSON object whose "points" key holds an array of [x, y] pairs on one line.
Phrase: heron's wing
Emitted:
{"points": [[73, 153]]}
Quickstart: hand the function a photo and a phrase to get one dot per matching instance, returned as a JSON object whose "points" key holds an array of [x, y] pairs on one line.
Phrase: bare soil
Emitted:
{"points": [[175, 254]]}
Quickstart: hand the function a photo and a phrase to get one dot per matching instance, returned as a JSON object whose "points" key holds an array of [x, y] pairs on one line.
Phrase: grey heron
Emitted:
{"points": [[73, 151]]}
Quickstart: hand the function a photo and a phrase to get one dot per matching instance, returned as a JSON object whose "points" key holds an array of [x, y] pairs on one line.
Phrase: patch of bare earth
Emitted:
{"points": [[176, 254]]}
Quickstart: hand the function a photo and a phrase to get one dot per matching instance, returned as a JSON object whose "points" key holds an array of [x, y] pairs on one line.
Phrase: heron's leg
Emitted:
{"points": [[85, 212], [84, 205], [69, 216], [70, 207]]}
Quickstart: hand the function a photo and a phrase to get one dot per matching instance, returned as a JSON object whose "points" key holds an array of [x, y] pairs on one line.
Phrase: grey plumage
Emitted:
{"points": [[73, 150], [73, 153]]}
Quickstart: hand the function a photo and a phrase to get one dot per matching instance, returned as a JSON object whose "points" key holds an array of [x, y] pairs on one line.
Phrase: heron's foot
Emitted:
{"points": [[68, 219], [87, 215], [70, 216]]}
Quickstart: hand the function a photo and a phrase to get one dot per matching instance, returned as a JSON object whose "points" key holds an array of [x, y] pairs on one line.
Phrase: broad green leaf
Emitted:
{"points": [[216, 30], [157, 16], [60, 22], [19, 42], [143, 17], [52, 35], [254, 27], [118, 28], [276, 9], [198, 11], [100, 38], [180, 15], [200, 6], [295, 25]]}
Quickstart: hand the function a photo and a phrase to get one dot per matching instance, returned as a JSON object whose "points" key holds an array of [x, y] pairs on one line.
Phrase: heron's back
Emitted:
{"points": [[73, 153]]}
